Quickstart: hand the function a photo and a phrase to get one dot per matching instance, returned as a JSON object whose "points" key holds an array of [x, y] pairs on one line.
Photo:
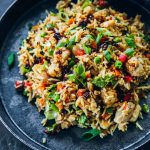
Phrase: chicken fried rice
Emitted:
{"points": [[84, 66]]}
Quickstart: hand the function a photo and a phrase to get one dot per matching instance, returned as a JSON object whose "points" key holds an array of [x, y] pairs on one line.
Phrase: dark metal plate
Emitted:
{"points": [[22, 118]]}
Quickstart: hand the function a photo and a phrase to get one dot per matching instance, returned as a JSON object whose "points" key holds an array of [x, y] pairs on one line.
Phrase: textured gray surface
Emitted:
{"points": [[8, 141]]}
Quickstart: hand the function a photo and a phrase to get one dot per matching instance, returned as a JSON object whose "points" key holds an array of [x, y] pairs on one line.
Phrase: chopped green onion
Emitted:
{"points": [[130, 41], [43, 34], [118, 64], [97, 60], [51, 52], [61, 44], [117, 19], [107, 55], [87, 136], [11, 59], [99, 36], [117, 39], [71, 42], [104, 31], [86, 3], [82, 119], [145, 108], [24, 70], [63, 16], [50, 26], [87, 49], [90, 37], [129, 52], [44, 140]]}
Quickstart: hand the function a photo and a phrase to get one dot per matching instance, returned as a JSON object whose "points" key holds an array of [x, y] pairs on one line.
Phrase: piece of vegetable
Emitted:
{"points": [[128, 78], [130, 41], [24, 70], [97, 60], [90, 37], [63, 16], [50, 26], [51, 52], [51, 129], [118, 64], [71, 42], [82, 119], [88, 74], [61, 44], [71, 20], [80, 92], [54, 96], [107, 55], [44, 140], [129, 52], [123, 58], [102, 3], [79, 52], [87, 49], [86, 3], [145, 108], [117, 72], [103, 82], [117, 39], [43, 34], [87, 136], [99, 37], [104, 31], [11, 59]]}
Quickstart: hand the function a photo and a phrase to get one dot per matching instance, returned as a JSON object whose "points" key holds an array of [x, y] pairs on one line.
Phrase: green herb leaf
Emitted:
{"points": [[107, 55], [54, 96], [87, 49], [145, 108], [11, 59], [118, 20], [50, 115], [103, 82], [87, 136], [129, 52], [79, 69]]}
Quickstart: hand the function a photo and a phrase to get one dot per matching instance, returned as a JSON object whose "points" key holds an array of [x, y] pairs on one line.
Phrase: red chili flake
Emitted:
{"points": [[19, 85], [127, 97], [148, 56], [128, 78], [42, 60]]}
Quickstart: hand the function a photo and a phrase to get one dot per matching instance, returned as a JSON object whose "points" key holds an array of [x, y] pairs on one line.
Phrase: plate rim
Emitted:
{"points": [[135, 145]]}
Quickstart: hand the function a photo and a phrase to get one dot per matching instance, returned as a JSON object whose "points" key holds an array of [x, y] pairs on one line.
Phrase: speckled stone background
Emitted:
{"points": [[8, 141]]}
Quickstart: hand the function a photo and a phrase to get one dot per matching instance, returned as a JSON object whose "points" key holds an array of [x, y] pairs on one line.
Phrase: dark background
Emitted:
{"points": [[7, 140]]}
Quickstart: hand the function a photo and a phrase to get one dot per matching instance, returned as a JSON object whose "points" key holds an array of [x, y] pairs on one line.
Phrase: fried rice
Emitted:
{"points": [[84, 66]]}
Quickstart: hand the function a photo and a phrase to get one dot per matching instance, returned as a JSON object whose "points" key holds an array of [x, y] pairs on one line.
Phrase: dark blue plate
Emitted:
{"points": [[21, 118]]}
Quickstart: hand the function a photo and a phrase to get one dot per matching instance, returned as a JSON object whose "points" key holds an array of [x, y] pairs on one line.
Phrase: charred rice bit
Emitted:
{"points": [[83, 67]]}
